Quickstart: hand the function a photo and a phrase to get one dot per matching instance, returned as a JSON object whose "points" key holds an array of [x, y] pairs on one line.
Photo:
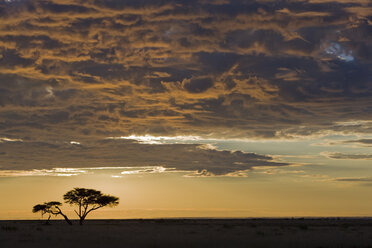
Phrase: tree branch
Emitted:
{"points": [[92, 209], [77, 213], [55, 213], [85, 209]]}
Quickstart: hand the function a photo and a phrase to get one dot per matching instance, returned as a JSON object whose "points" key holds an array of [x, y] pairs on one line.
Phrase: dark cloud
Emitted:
{"points": [[240, 69], [359, 141], [10, 58], [25, 155], [354, 142], [197, 85]]}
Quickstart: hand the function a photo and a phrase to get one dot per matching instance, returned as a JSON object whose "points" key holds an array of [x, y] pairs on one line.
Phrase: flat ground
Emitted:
{"points": [[190, 233]]}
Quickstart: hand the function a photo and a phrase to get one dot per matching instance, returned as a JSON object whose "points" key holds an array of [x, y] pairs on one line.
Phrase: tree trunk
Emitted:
{"points": [[81, 221], [47, 221], [66, 219]]}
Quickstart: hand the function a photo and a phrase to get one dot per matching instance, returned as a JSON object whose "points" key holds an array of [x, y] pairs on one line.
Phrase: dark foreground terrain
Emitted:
{"points": [[190, 233]]}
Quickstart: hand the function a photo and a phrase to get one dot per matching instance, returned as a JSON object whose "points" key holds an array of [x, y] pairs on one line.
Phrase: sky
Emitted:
{"points": [[187, 108]]}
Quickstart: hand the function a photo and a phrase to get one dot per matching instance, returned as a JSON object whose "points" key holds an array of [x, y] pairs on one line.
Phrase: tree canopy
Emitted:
{"points": [[51, 208]]}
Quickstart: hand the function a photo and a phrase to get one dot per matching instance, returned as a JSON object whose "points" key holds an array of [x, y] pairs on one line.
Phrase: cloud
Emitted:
{"points": [[354, 179], [336, 50], [366, 142], [43, 156], [3, 139], [116, 172], [197, 85], [339, 155], [92, 69]]}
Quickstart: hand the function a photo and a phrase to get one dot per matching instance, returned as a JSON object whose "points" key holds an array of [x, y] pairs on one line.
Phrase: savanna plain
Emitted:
{"points": [[290, 232]]}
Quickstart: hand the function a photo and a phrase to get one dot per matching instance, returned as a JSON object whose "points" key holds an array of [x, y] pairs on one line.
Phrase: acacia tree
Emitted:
{"points": [[50, 208], [88, 200]]}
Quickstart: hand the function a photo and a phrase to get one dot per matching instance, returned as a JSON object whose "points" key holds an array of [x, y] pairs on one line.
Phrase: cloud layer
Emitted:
{"points": [[339, 155], [252, 69], [89, 69], [17, 155]]}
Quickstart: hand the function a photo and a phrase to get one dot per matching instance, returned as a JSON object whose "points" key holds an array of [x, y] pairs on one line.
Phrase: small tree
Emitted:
{"points": [[43, 209], [88, 200], [50, 208]]}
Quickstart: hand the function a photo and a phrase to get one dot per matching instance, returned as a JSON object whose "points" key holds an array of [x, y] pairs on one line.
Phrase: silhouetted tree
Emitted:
{"points": [[50, 208], [43, 209], [89, 200]]}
